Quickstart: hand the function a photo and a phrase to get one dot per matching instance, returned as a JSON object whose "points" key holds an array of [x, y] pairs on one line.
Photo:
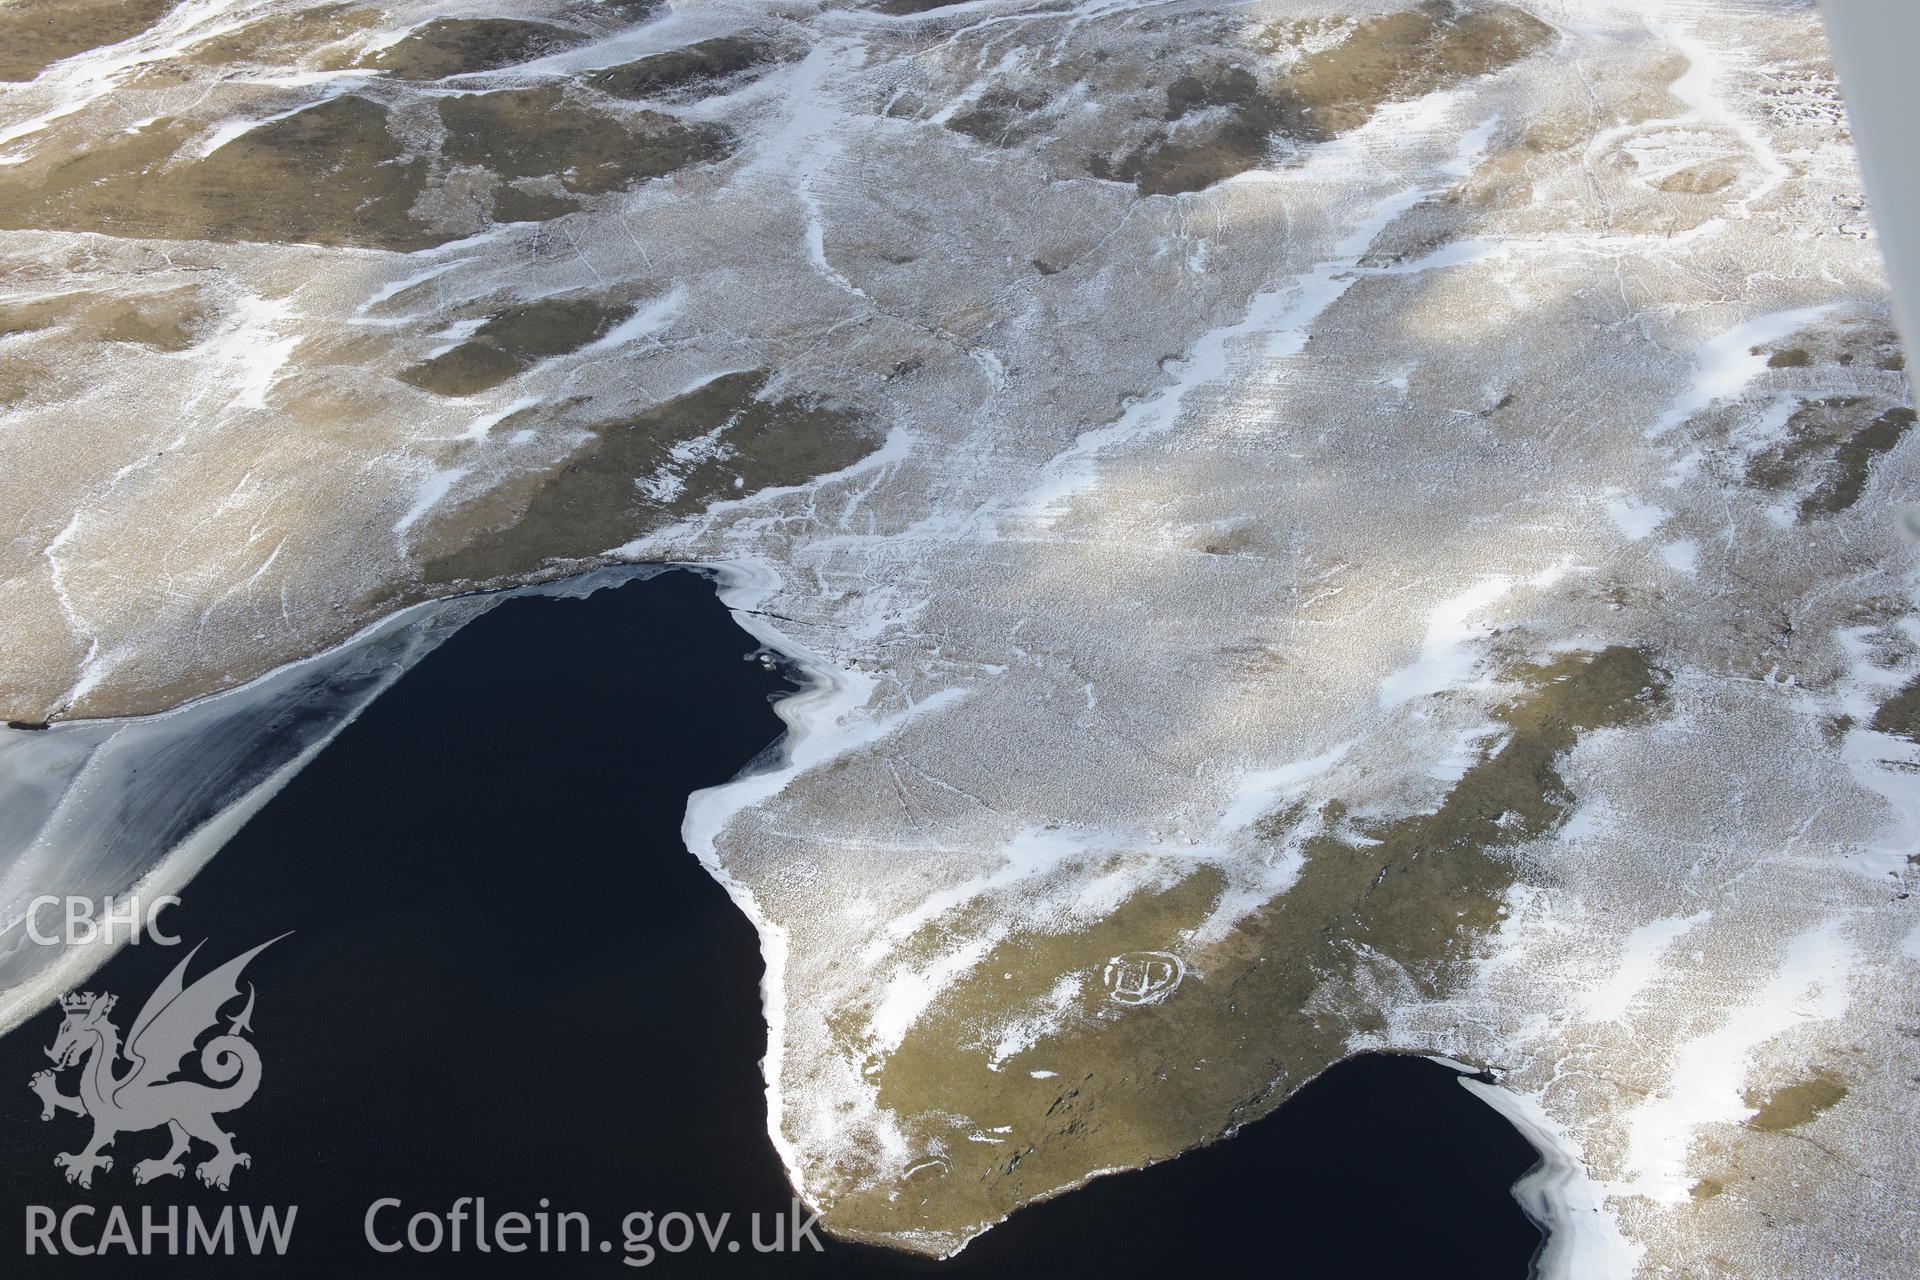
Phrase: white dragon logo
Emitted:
{"points": [[146, 1096]]}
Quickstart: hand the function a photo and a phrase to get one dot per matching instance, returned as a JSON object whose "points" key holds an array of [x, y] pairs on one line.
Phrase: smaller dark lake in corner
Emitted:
{"points": [[508, 979]]}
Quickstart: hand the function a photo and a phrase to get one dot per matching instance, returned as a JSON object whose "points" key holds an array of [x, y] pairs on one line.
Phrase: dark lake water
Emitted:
{"points": [[509, 979]]}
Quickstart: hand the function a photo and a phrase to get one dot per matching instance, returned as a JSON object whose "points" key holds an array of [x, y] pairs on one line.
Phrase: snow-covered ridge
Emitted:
{"points": [[1208, 532]]}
